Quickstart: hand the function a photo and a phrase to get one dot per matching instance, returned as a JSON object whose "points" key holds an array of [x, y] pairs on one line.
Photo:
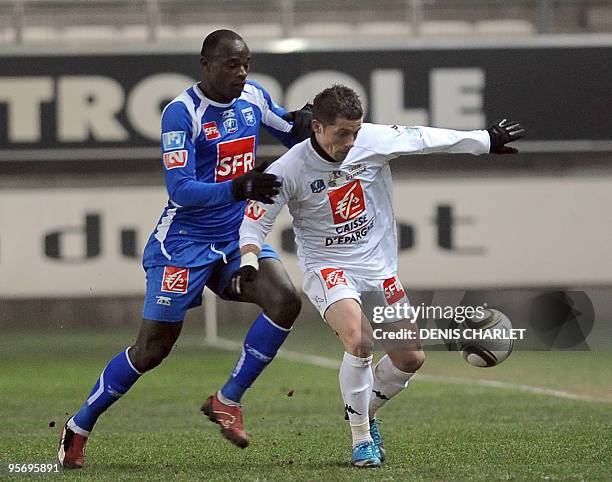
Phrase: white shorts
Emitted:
{"points": [[325, 286]]}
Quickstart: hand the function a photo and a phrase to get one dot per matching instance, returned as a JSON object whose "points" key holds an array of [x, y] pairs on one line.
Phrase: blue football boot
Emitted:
{"points": [[379, 447], [363, 455]]}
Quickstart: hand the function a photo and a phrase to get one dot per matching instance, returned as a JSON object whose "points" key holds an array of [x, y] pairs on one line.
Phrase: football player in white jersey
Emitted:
{"points": [[338, 189]]}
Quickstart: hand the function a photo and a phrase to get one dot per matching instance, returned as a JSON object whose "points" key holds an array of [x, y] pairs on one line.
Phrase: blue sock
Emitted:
{"points": [[260, 346], [116, 379]]}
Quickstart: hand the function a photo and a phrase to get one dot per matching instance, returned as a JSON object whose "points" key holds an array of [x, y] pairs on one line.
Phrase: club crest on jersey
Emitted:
{"points": [[230, 125], [211, 131], [175, 159], [317, 186], [394, 290], [333, 277], [234, 158], [333, 177], [173, 140], [347, 202], [175, 280], [249, 116], [254, 210]]}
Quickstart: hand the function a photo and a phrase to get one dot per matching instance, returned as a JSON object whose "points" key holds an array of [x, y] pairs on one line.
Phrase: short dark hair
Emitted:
{"points": [[212, 41], [336, 101]]}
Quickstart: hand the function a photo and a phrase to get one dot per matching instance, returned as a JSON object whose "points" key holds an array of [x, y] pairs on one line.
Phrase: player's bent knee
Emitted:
{"points": [[284, 307], [292, 305], [362, 350], [358, 345], [149, 357], [411, 361]]}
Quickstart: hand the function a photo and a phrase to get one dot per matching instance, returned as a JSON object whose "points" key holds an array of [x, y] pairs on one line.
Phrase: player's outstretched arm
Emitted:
{"points": [[393, 141], [491, 140]]}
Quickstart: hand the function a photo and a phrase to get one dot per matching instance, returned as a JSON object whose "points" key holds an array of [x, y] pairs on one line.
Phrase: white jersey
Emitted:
{"points": [[343, 212]]}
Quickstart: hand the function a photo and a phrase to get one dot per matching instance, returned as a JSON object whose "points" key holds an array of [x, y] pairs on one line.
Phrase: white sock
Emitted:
{"points": [[76, 429], [356, 385], [226, 401], [388, 382]]}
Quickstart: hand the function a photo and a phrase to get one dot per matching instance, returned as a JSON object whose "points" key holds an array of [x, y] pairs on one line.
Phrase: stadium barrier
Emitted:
{"points": [[464, 233]]}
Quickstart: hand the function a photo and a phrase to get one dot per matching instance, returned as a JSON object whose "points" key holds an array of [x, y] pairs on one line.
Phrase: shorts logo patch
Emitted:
{"points": [[175, 159], [254, 210], [347, 202], [175, 280], [333, 277], [164, 300], [173, 140], [394, 290], [234, 158], [211, 131]]}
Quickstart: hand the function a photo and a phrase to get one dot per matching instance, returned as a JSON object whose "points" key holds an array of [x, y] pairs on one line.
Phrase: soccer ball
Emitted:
{"points": [[490, 350]]}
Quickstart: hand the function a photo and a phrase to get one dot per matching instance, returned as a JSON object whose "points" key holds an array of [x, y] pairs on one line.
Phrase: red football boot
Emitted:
{"points": [[71, 452], [229, 417]]}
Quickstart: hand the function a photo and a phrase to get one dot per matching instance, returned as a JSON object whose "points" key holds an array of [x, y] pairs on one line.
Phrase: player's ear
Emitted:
{"points": [[316, 126]]}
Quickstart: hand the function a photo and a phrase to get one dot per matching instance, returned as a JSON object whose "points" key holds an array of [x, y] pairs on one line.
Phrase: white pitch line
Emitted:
{"points": [[325, 362], [513, 386]]}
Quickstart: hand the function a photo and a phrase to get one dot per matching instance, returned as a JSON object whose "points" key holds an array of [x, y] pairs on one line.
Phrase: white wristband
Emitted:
{"points": [[250, 259]]}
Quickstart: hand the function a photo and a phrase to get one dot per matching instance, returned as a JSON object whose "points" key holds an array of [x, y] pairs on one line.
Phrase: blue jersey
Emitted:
{"points": [[205, 145]]}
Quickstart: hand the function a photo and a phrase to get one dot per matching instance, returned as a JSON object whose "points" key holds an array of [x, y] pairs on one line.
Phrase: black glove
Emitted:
{"points": [[301, 121], [246, 274], [256, 185], [502, 132]]}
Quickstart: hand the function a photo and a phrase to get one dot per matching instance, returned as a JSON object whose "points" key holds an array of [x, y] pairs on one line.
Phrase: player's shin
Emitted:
{"points": [[388, 382], [260, 346], [356, 386], [116, 379]]}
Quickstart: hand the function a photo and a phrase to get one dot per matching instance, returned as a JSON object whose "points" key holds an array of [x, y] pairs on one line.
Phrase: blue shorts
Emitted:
{"points": [[172, 290]]}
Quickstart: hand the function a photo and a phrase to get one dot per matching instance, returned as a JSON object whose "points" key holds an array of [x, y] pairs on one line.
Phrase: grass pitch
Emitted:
{"points": [[432, 431]]}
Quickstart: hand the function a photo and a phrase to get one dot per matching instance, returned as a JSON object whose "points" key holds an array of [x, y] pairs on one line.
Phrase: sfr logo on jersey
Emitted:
{"points": [[211, 131], [333, 277], [347, 202], [235, 158], [175, 159], [394, 290], [254, 210], [175, 280]]}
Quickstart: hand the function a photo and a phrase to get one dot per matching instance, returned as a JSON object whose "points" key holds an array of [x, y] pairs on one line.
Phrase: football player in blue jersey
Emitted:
{"points": [[209, 138]]}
